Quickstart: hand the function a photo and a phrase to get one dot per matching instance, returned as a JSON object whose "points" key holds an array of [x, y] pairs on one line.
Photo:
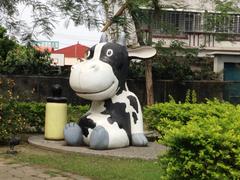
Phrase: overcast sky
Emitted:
{"points": [[66, 36]]}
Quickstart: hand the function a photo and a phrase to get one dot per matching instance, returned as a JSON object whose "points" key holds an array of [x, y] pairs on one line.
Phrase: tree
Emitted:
{"points": [[6, 44], [90, 13], [42, 18], [44, 15], [26, 60]]}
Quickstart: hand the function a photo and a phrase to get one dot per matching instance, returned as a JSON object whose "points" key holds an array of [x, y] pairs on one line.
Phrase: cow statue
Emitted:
{"points": [[115, 117]]}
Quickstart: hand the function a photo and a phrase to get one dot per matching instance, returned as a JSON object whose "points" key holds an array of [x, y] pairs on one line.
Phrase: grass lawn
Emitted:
{"points": [[95, 167]]}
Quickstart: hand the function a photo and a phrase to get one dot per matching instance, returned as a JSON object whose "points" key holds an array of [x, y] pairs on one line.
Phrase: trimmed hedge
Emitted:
{"points": [[164, 116], [24, 117], [33, 113], [203, 139], [11, 121]]}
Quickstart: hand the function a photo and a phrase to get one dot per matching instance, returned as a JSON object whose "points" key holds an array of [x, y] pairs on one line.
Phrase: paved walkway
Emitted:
{"points": [[19, 171], [150, 152]]}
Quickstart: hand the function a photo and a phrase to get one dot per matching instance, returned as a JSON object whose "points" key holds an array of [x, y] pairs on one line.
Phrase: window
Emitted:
{"points": [[215, 22], [176, 23]]}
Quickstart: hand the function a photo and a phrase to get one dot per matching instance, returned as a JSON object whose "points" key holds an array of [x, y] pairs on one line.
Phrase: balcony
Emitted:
{"points": [[196, 29]]}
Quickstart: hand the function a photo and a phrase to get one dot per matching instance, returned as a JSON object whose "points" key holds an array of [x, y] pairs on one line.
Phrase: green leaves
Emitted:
{"points": [[26, 60], [203, 139], [24, 117]]}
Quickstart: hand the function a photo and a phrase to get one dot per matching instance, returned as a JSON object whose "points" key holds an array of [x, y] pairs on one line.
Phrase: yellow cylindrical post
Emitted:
{"points": [[55, 115], [55, 120]]}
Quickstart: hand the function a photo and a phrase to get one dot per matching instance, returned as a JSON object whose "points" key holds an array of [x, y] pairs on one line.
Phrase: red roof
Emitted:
{"points": [[76, 51]]}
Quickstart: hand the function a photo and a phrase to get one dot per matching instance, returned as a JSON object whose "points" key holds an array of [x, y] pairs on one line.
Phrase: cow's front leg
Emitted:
{"points": [[108, 136], [99, 138], [73, 134]]}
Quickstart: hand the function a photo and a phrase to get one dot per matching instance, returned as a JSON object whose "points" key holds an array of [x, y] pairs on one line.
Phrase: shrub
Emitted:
{"points": [[11, 121], [203, 139], [165, 116], [19, 117], [205, 148], [75, 112], [28, 117], [24, 117], [34, 114]]}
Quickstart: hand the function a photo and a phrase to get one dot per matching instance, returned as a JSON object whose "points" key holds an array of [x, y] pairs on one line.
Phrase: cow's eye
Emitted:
{"points": [[109, 52]]}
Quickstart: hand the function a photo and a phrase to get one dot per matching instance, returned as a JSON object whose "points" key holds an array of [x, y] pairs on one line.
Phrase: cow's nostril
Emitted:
{"points": [[94, 66], [82, 60]]}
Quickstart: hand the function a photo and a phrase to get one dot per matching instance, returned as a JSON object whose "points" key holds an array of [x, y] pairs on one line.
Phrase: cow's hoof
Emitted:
{"points": [[99, 138], [139, 139], [73, 134]]}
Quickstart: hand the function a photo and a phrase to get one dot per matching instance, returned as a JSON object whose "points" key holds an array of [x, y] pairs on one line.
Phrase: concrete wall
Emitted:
{"points": [[190, 4], [38, 88]]}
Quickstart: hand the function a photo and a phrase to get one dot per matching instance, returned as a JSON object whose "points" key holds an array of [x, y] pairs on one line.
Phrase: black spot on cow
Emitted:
{"points": [[133, 102], [134, 117], [117, 57], [86, 123], [117, 112]]}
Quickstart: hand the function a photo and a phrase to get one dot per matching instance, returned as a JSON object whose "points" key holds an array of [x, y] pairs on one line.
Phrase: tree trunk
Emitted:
{"points": [[149, 82], [148, 62], [148, 70]]}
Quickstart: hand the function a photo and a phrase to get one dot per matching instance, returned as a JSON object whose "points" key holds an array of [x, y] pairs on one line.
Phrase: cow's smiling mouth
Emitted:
{"points": [[112, 84]]}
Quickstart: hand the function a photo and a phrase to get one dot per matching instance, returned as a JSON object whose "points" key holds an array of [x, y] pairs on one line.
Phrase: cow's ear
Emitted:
{"points": [[103, 38], [122, 39], [142, 52]]}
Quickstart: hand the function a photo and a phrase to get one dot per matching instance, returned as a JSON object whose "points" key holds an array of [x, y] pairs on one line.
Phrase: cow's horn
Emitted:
{"points": [[122, 39], [103, 38]]}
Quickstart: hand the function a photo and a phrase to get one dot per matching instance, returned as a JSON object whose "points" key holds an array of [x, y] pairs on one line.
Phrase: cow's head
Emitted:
{"points": [[104, 71]]}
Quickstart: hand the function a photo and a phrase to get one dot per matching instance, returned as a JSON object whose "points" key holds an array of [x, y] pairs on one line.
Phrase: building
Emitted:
{"points": [[49, 44], [198, 25], [69, 55]]}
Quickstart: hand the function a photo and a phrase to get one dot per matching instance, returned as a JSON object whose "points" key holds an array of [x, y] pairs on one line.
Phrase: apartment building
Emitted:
{"points": [[198, 25]]}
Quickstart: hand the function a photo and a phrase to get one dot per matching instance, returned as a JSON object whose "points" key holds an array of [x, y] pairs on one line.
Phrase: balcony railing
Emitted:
{"points": [[199, 29]]}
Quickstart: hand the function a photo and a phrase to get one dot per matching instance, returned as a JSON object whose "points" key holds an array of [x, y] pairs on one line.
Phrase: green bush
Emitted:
{"points": [[205, 148], [33, 113], [165, 116], [26, 60], [11, 122], [28, 117], [19, 117], [203, 139], [75, 112]]}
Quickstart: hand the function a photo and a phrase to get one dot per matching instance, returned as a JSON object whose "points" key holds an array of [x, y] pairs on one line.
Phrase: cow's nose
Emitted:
{"points": [[82, 59]]}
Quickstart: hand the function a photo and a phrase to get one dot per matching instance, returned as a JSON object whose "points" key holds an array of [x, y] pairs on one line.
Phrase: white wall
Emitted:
{"points": [[190, 4], [57, 59], [70, 61], [220, 59]]}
